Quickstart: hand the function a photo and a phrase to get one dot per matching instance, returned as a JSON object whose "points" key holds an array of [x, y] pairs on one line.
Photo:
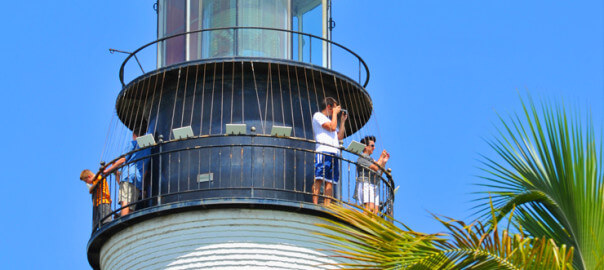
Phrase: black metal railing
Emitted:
{"points": [[293, 49], [245, 167]]}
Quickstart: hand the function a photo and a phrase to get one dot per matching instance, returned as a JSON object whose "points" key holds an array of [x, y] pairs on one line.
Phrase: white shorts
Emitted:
{"points": [[128, 193], [368, 193]]}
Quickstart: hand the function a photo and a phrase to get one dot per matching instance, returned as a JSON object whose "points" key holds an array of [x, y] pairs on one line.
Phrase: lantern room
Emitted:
{"points": [[206, 29]]}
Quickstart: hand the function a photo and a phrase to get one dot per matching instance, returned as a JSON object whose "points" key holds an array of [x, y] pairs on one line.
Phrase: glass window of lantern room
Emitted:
{"points": [[194, 20], [308, 16], [263, 42], [217, 14], [171, 22]]}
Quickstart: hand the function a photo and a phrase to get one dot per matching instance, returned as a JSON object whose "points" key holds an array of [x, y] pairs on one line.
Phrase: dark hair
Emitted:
{"points": [[366, 140], [327, 101], [140, 127], [138, 131]]}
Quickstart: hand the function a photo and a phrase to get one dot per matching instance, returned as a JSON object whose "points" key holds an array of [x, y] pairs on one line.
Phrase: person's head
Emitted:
{"points": [[369, 142], [327, 104], [139, 128], [87, 176], [136, 132]]}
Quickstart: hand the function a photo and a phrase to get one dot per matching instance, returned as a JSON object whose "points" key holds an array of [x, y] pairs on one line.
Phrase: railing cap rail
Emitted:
{"points": [[132, 54]]}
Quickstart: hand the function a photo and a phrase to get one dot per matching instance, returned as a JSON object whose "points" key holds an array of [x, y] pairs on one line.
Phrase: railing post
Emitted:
{"points": [[338, 189], [161, 141], [252, 149]]}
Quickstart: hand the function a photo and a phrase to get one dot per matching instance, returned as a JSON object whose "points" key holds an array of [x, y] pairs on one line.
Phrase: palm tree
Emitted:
{"points": [[548, 173], [371, 242]]}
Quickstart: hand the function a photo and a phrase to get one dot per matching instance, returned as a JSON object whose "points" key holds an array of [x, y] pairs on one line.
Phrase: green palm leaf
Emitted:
{"points": [[372, 242], [367, 239], [549, 168]]}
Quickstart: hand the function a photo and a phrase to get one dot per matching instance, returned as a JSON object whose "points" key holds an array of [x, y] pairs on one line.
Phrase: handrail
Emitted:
{"points": [[121, 73], [343, 149], [386, 182]]}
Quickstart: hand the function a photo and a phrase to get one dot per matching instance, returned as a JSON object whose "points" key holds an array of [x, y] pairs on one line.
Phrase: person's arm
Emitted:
{"points": [[366, 163], [374, 167], [342, 131], [333, 124], [93, 186], [381, 161], [385, 156], [116, 164]]}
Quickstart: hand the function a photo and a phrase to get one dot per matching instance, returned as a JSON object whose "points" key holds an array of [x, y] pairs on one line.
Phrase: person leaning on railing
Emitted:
{"points": [[101, 198], [368, 172], [132, 174], [328, 136]]}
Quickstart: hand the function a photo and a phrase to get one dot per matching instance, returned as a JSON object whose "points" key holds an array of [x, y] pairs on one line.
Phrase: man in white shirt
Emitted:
{"points": [[328, 136]]}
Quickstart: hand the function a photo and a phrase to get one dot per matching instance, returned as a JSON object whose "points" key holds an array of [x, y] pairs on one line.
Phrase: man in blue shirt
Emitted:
{"points": [[131, 180]]}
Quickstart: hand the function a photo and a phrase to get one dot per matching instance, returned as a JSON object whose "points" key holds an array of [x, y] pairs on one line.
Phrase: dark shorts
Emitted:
{"points": [[101, 211], [327, 167]]}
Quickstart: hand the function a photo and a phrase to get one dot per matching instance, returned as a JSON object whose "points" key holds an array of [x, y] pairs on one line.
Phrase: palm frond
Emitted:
{"points": [[482, 246], [372, 242], [549, 167]]}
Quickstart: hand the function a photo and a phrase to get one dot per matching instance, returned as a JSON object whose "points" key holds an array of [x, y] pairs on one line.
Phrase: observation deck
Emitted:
{"points": [[211, 106]]}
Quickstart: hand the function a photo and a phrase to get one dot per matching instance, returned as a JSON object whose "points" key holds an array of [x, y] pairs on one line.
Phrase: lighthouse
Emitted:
{"points": [[213, 127]]}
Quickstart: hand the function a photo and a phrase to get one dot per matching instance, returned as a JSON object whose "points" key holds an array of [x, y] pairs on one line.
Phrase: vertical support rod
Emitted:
{"points": [[324, 28], [159, 45], [187, 29], [359, 71], [329, 30], [300, 39], [290, 38]]}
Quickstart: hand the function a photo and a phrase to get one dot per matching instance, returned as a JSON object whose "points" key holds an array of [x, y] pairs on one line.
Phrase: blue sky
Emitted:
{"points": [[441, 71]]}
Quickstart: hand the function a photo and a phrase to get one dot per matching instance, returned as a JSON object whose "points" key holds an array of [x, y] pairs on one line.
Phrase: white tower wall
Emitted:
{"points": [[219, 239]]}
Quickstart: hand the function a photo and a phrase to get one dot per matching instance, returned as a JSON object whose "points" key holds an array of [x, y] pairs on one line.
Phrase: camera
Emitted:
{"points": [[344, 111]]}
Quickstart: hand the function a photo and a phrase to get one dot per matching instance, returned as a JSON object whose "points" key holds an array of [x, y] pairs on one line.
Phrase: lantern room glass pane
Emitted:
{"points": [[216, 14], [307, 17], [195, 23], [263, 43], [172, 21]]}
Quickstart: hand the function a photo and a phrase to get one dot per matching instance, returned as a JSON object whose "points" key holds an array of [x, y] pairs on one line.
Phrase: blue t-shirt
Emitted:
{"points": [[136, 166]]}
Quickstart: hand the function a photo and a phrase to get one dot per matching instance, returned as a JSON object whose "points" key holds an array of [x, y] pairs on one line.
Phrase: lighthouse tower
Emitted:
{"points": [[221, 105]]}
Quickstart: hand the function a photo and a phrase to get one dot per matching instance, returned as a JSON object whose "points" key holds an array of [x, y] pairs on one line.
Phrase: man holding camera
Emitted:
{"points": [[328, 135]]}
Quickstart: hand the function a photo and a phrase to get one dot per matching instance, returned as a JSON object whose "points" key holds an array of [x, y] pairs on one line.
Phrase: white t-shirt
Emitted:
{"points": [[323, 135]]}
